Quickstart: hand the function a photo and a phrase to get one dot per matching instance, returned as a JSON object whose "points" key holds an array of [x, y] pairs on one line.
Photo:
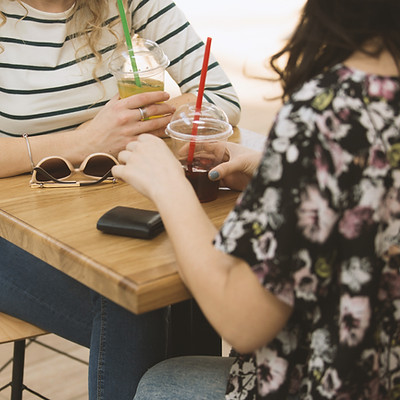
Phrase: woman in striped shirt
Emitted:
{"points": [[55, 87], [54, 76]]}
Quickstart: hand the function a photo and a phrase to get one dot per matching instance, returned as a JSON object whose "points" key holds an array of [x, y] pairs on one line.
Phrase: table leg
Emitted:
{"points": [[190, 333]]}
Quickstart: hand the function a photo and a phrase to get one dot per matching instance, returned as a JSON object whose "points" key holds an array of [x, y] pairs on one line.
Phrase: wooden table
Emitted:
{"points": [[58, 225]]}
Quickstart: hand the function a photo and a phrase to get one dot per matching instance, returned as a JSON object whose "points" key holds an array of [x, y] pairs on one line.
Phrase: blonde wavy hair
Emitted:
{"points": [[88, 17]]}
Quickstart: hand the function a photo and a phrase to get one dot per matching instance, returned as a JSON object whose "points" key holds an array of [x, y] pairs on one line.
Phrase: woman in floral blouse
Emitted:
{"points": [[303, 279]]}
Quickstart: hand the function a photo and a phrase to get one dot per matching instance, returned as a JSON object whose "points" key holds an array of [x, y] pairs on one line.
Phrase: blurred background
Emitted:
{"points": [[244, 35]]}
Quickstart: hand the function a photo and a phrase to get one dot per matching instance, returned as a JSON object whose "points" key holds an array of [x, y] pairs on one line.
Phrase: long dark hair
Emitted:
{"points": [[329, 31]]}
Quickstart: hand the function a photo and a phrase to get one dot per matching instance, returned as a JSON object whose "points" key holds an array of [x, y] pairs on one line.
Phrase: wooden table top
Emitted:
{"points": [[58, 225]]}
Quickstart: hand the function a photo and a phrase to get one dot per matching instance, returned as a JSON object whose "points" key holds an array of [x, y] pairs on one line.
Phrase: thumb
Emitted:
{"points": [[220, 171]]}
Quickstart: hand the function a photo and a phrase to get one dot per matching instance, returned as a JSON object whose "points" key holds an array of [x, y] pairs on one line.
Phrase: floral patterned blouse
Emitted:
{"points": [[320, 227]]}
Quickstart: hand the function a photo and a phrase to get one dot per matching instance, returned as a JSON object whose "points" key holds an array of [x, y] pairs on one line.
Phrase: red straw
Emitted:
{"points": [[199, 101]]}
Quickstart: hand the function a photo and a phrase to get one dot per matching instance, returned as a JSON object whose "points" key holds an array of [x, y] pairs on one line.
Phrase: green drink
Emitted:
{"points": [[128, 87], [150, 63]]}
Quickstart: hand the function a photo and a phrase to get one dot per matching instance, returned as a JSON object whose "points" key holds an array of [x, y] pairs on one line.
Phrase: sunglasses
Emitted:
{"points": [[54, 171]]}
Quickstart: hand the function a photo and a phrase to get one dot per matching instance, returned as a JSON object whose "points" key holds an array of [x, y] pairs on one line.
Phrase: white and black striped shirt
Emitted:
{"points": [[45, 89]]}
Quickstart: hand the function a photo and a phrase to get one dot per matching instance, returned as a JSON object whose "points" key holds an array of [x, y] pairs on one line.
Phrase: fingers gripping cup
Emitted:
{"points": [[150, 61], [208, 145]]}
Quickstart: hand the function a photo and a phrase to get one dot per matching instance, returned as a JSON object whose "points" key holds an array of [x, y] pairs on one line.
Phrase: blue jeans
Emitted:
{"points": [[122, 345], [183, 378], [190, 377]]}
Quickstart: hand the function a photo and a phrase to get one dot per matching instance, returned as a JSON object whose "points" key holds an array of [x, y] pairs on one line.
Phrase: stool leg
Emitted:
{"points": [[17, 385]]}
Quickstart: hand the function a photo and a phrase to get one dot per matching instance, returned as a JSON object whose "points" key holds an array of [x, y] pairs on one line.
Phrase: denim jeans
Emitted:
{"points": [[183, 378], [122, 345], [188, 377]]}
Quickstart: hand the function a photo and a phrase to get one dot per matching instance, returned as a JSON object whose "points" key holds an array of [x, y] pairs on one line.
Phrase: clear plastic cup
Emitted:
{"points": [[207, 146], [151, 63]]}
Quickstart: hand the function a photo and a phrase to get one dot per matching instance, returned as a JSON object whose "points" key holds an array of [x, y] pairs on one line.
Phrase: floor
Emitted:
{"points": [[242, 41]]}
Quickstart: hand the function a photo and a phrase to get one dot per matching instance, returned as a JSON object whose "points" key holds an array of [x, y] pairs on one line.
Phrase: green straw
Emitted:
{"points": [[129, 42]]}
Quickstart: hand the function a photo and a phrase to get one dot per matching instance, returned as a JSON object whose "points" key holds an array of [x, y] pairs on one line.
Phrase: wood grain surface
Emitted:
{"points": [[58, 225]]}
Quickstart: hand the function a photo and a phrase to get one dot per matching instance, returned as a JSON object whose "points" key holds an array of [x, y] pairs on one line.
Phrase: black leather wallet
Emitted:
{"points": [[128, 221]]}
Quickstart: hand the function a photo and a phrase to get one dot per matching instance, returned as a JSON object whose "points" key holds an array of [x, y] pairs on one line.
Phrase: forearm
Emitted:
{"points": [[14, 154], [235, 303]]}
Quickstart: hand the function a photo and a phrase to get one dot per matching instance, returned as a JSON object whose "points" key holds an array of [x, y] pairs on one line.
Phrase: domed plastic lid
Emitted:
{"points": [[208, 110], [148, 56], [211, 119]]}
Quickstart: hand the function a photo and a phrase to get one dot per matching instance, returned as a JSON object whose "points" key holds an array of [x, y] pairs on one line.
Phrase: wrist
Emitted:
{"points": [[172, 190]]}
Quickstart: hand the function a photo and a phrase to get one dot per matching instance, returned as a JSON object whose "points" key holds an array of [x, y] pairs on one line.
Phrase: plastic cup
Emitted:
{"points": [[151, 63], [209, 144]]}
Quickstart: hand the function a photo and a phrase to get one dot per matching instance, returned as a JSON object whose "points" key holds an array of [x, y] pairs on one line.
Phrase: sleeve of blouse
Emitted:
{"points": [[163, 22], [269, 225]]}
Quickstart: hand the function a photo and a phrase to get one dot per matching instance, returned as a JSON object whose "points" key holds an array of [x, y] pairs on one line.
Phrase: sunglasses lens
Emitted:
{"points": [[56, 167], [98, 165]]}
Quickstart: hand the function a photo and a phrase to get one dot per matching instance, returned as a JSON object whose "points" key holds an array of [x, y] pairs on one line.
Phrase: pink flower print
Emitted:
{"points": [[344, 114], [381, 87], [378, 158], [354, 221], [328, 124], [355, 314], [295, 380], [390, 286], [261, 270], [315, 218], [271, 371], [344, 73]]}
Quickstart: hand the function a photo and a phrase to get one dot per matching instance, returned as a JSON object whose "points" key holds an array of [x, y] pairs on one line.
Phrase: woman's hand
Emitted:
{"points": [[150, 167], [237, 168], [120, 121]]}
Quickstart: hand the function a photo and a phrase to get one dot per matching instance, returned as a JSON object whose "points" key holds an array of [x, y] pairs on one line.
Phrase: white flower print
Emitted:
{"points": [[330, 383], [307, 117], [354, 317], [264, 246], [307, 91], [345, 103], [270, 204], [232, 230], [321, 344], [292, 154], [288, 340], [271, 169], [280, 144], [322, 351], [284, 127], [355, 273], [315, 218], [284, 146], [261, 218], [271, 371], [371, 193]]}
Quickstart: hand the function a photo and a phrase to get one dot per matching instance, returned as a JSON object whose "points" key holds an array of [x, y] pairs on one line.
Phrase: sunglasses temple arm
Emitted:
{"points": [[103, 178], [51, 177]]}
